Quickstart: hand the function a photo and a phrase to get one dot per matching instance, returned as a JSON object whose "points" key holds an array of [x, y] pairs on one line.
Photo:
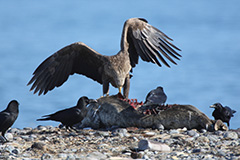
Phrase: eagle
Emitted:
{"points": [[139, 39]]}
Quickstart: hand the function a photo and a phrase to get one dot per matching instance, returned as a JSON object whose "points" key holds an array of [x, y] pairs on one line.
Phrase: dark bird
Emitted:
{"points": [[70, 116], [139, 39], [8, 117], [222, 113], [156, 96]]}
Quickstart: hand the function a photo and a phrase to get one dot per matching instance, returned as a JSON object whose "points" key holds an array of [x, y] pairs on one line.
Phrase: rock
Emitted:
{"points": [[71, 157], [136, 155], [190, 139], [203, 139], [46, 156], [180, 130], [149, 134], [221, 153], [15, 151], [192, 133], [96, 156], [174, 131], [153, 145], [92, 144], [62, 155], [198, 150], [27, 128], [104, 133], [13, 130], [159, 126], [39, 145], [203, 131], [9, 148], [27, 138], [41, 128], [9, 136], [122, 132], [230, 135], [213, 138]]}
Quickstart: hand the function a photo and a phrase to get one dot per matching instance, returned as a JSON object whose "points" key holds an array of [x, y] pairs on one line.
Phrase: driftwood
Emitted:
{"points": [[111, 111]]}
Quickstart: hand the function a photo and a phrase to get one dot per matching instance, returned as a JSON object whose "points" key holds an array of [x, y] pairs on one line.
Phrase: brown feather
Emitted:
{"points": [[139, 39]]}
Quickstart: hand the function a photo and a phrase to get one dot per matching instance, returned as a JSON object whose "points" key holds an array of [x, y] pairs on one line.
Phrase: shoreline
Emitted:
{"points": [[48, 142]]}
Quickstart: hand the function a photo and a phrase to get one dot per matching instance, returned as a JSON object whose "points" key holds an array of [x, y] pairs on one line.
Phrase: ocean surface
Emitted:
{"points": [[208, 32]]}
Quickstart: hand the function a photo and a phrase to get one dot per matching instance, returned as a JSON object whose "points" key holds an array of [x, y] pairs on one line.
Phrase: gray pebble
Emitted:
{"points": [[221, 153], [26, 155], [173, 131], [199, 150], [219, 133], [122, 132], [104, 133], [38, 145], [15, 151], [41, 128], [190, 139], [27, 128], [13, 130], [96, 155], [150, 134], [71, 157], [230, 135], [9, 136], [153, 145], [27, 138], [192, 133], [50, 127], [135, 138], [159, 126], [203, 131], [46, 156], [9, 148], [145, 157], [213, 138], [62, 155]]}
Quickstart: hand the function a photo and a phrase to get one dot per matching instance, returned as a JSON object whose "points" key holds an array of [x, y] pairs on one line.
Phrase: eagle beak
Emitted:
{"points": [[120, 89]]}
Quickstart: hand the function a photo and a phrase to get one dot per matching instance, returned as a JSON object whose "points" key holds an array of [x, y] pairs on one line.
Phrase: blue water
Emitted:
{"points": [[208, 32]]}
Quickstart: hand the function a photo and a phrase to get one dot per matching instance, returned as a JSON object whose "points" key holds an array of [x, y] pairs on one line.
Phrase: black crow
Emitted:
{"points": [[222, 113], [156, 96], [139, 39], [70, 116], [8, 117]]}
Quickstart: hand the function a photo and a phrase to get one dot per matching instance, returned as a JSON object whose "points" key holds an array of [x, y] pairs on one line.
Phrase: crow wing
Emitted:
{"points": [[5, 120]]}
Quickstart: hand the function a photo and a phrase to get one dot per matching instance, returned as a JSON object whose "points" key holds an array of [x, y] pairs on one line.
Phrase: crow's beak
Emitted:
{"points": [[213, 106], [92, 101]]}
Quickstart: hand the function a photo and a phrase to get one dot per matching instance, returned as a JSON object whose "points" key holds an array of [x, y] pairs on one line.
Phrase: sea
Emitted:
{"points": [[207, 32]]}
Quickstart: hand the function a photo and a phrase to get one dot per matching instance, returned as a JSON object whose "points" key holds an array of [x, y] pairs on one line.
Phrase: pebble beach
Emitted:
{"points": [[48, 142]]}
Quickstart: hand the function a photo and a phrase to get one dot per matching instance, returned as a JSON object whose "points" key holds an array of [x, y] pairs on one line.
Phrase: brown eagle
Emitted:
{"points": [[139, 39]]}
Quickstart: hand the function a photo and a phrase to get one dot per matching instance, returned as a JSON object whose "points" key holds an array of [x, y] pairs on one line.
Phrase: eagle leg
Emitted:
{"points": [[105, 88], [126, 87]]}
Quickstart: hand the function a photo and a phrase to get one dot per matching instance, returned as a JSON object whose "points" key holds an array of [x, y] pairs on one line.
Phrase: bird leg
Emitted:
{"points": [[126, 87], [73, 129], [4, 139], [105, 88], [119, 89]]}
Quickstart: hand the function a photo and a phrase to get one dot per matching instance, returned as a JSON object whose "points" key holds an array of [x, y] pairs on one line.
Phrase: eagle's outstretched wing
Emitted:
{"points": [[142, 39], [74, 58]]}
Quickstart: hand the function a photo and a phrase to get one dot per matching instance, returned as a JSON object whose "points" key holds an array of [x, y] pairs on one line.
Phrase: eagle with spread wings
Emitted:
{"points": [[139, 39]]}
